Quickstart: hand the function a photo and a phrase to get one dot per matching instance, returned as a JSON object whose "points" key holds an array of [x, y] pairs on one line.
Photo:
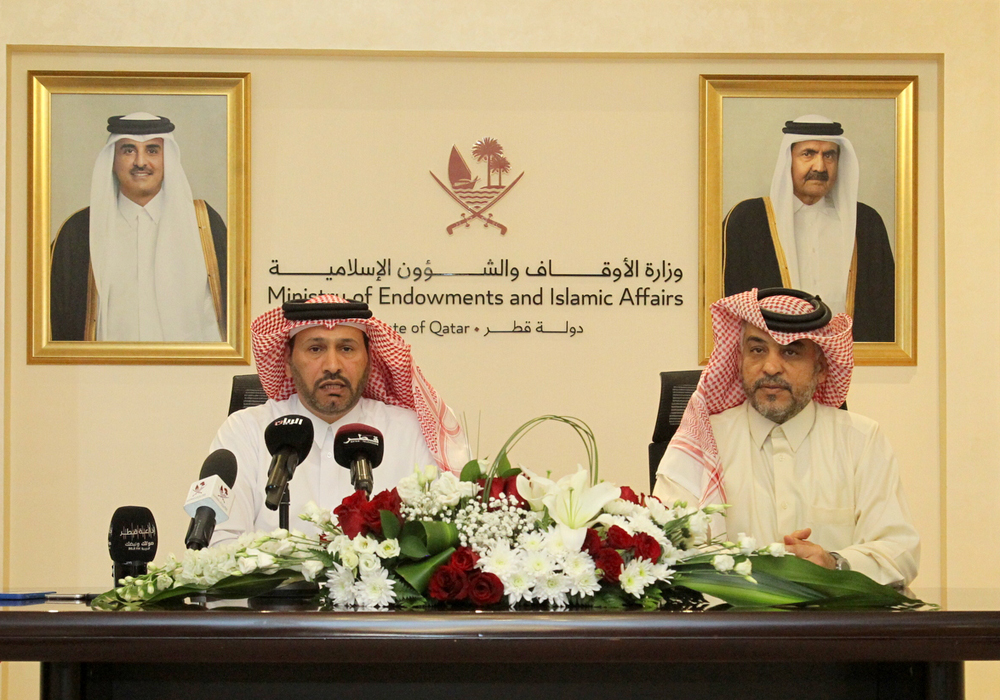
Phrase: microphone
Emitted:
{"points": [[210, 498], [131, 541], [359, 448], [289, 440]]}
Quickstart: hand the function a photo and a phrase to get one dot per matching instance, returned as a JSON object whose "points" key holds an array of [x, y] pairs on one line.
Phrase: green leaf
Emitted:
{"points": [[503, 465], [412, 547], [844, 586], [390, 524], [736, 590], [419, 573], [471, 471]]}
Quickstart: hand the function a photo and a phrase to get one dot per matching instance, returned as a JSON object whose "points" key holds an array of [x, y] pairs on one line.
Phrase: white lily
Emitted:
{"points": [[574, 504], [534, 488]]}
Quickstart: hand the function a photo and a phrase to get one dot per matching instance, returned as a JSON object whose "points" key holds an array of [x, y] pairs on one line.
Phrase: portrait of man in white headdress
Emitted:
{"points": [[146, 261], [812, 233]]}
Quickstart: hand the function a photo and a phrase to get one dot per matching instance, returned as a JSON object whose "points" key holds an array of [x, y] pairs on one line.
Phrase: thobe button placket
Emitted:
{"points": [[784, 470]]}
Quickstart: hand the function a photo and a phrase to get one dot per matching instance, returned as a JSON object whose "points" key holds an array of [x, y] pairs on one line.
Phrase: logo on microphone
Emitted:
{"points": [[361, 437], [288, 420]]}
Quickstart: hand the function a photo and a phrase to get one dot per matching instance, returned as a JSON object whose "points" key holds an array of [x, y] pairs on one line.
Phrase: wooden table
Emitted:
{"points": [[248, 654]]}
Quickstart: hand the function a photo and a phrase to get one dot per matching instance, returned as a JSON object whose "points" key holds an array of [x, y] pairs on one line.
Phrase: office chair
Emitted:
{"points": [[247, 392], [675, 390]]}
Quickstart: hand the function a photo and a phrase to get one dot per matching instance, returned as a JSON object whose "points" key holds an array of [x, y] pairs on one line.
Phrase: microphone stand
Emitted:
{"points": [[283, 504]]}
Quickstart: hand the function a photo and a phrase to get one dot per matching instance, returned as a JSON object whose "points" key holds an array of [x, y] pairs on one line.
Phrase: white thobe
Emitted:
{"points": [[132, 311], [319, 477], [829, 470], [818, 243]]}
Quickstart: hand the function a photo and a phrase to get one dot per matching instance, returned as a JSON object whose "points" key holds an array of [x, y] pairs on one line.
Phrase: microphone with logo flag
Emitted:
{"points": [[210, 499], [289, 440], [131, 541], [359, 448]]}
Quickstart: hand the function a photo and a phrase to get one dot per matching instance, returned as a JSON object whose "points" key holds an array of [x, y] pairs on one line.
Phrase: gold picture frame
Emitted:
{"points": [[741, 133], [67, 128]]}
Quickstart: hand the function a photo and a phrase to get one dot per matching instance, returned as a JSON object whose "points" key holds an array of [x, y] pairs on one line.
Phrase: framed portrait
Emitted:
{"points": [[808, 182], [138, 218]]}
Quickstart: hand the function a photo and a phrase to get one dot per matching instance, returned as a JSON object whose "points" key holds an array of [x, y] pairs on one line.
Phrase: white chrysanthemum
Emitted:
{"points": [[746, 543], [776, 549], [635, 576], [375, 589], [660, 514], [553, 589], [723, 562], [340, 583], [661, 572], [578, 563], [585, 584], [517, 587], [744, 568], [500, 560], [538, 564], [532, 541], [387, 549], [669, 554], [622, 507]]}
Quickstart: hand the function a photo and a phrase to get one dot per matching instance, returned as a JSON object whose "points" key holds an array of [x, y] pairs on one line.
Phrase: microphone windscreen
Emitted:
{"points": [[290, 432], [132, 535], [358, 440], [221, 463]]}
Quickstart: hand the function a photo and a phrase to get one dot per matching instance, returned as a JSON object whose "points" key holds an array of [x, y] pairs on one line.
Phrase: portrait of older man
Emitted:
{"points": [[812, 233], [145, 262]]}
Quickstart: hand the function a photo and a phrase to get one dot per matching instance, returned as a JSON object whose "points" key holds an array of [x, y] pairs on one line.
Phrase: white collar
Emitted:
{"points": [[796, 428]]}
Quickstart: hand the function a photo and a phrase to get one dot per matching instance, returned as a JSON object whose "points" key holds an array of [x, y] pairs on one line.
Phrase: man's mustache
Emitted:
{"points": [[770, 381], [337, 376], [149, 171], [818, 175]]}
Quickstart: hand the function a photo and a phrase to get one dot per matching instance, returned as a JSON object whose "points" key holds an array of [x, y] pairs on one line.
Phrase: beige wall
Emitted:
{"points": [[80, 440]]}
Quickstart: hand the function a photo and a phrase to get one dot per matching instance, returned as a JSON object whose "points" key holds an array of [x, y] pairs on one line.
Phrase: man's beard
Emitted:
{"points": [[773, 412], [334, 407]]}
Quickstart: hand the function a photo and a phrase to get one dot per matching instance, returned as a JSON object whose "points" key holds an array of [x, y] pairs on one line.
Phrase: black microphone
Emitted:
{"points": [[210, 498], [131, 541], [289, 440], [359, 447]]}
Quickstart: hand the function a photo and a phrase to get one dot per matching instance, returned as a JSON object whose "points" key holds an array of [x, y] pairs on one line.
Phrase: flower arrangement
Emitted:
{"points": [[505, 537]]}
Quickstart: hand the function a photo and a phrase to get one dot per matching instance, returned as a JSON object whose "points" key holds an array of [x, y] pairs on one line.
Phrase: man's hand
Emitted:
{"points": [[798, 544]]}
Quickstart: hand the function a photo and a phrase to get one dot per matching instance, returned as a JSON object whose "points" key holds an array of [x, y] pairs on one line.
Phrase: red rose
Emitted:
{"points": [[449, 583], [373, 519], [609, 561], [351, 514], [387, 500], [591, 543], [485, 589], [463, 559], [627, 494], [646, 547], [619, 539]]}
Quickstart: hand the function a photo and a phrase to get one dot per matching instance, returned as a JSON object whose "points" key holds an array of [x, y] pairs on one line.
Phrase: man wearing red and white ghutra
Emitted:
{"points": [[763, 433], [331, 361]]}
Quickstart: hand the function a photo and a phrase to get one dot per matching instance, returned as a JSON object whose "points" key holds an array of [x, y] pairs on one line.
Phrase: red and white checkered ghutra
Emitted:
{"points": [[721, 386], [393, 376]]}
